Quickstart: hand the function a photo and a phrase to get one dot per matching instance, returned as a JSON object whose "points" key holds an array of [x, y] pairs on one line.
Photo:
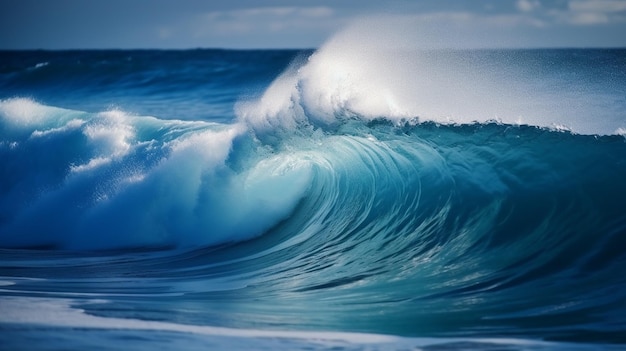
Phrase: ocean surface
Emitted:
{"points": [[347, 198]]}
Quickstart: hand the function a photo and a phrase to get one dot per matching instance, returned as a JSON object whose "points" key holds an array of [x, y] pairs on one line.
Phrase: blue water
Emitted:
{"points": [[343, 198]]}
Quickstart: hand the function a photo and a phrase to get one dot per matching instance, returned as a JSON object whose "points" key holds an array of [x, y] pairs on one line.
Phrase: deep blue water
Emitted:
{"points": [[340, 198]]}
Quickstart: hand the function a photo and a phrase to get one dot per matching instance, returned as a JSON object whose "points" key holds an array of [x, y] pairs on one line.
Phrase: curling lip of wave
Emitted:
{"points": [[390, 77]]}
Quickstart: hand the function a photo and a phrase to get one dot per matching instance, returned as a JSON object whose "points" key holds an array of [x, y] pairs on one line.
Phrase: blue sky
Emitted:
{"points": [[79, 24]]}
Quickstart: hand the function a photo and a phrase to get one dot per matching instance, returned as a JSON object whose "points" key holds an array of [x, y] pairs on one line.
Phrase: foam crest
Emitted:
{"points": [[367, 71], [109, 180], [22, 113], [377, 68], [111, 133]]}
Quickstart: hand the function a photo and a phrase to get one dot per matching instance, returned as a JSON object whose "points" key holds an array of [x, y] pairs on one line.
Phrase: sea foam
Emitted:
{"points": [[373, 69], [106, 180]]}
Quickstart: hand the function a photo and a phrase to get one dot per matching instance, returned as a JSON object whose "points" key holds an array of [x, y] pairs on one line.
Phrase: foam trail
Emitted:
{"points": [[373, 69], [60, 313]]}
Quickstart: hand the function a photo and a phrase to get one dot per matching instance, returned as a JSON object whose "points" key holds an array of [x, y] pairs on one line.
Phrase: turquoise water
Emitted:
{"points": [[338, 198]]}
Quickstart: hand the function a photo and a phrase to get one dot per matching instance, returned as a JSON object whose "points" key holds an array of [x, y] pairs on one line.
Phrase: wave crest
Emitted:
{"points": [[107, 180], [374, 70]]}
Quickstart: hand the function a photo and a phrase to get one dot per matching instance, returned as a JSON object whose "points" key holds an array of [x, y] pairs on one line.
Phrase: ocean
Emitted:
{"points": [[343, 198]]}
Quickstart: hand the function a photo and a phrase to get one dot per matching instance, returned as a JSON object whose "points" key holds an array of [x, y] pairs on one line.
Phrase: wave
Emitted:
{"points": [[79, 180], [467, 221], [95, 181], [318, 138], [371, 71], [372, 187]]}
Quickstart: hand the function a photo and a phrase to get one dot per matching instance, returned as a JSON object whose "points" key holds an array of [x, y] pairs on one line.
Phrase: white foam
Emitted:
{"points": [[126, 181], [91, 165], [71, 125], [110, 133], [373, 69], [22, 113], [60, 313]]}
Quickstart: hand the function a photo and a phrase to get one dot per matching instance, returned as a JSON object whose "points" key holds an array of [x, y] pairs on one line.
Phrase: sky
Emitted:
{"points": [[182, 24]]}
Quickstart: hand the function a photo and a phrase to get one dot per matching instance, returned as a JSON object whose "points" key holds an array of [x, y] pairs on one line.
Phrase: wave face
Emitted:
{"points": [[367, 189]]}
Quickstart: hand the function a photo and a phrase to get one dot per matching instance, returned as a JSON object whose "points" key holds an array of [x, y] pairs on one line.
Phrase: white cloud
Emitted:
{"points": [[474, 20], [529, 23], [527, 5], [598, 6], [264, 18], [270, 23], [320, 11], [268, 13], [587, 18], [538, 14], [264, 12], [594, 12], [576, 13], [165, 33]]}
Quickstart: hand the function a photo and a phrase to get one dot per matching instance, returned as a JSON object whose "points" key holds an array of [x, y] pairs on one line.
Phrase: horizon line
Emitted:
{"points": [[313, 48]]}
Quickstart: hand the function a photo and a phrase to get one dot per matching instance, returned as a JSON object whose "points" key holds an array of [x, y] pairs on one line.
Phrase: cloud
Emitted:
{"points": [[277, 26], [265, 18], [527, 5], [575, 12], [165, 33], [268, 27], [526, 23], [595, 12], [303, 23], [278, 12], [598, 6]]}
